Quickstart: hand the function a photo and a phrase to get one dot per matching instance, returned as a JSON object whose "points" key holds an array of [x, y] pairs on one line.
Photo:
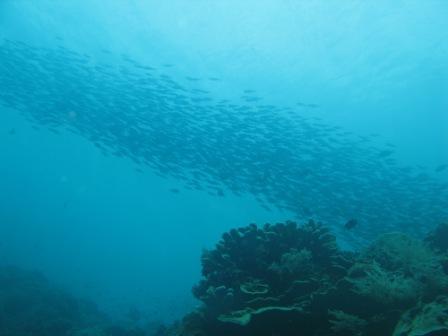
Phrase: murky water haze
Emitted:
{"points": [[114, 230]]}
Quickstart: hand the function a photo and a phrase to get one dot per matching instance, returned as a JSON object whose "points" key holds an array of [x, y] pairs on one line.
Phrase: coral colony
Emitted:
{"points": [[289, 279]]}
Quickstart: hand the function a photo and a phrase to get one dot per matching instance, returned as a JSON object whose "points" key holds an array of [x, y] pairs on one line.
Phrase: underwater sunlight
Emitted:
{"points": [[223, 168]]}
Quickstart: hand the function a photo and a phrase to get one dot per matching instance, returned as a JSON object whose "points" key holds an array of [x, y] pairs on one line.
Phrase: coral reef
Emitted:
{"points": [[429, 319], [387, 288], [282, 279], [438, 239], [289, 279], [32, 306], [346, 323], [398, 270]]}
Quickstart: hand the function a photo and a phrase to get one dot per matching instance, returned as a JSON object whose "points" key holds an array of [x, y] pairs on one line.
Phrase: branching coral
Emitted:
{"points": [[425, 319], [397, 251], [268, 271], [275, 255], [294, 263], [386, 287], [284, 279], [408, 260], [346, 324]]}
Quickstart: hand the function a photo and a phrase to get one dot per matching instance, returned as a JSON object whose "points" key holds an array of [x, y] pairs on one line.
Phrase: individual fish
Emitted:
{"points": [[313, 105], [385, 153], [350, 224], [441, 168]]}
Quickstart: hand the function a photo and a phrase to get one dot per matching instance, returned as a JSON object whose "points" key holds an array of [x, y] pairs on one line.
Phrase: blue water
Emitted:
{"points": [[132, 134]]}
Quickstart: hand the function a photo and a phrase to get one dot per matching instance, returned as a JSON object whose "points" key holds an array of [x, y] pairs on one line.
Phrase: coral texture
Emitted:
{"points": [[289, 279]]}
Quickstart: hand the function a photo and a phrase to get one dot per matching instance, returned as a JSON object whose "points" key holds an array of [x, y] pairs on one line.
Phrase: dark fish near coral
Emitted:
{"points": [[351, 224]]}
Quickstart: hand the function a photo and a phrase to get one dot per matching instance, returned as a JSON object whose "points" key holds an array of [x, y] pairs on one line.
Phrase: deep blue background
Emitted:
{"points": [[98, 226]]}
